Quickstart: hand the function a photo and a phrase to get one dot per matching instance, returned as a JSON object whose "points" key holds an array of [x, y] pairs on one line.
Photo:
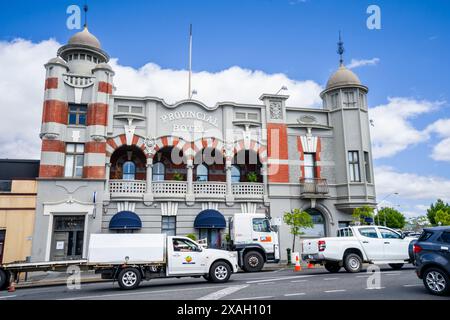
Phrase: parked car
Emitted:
{"points": [[355, 245], [432, 259]]}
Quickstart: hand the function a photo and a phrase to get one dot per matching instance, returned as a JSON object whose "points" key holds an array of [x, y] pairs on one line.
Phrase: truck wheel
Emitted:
{"points": [[436, 281], [129, 278], [352, 263], [332, 267], [253, 261], [220, 272], [396, 266], [4, 279]]}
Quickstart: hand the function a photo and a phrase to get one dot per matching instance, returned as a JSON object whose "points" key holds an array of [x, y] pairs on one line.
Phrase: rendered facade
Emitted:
{"points": [[114, 163]]}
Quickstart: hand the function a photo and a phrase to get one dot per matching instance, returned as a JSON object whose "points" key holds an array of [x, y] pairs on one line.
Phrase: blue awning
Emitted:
{"points": [[210, 219], [125, 220]]}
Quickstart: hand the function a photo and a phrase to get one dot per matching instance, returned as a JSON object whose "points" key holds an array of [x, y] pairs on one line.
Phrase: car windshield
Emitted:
{"points": [[425, 235]]}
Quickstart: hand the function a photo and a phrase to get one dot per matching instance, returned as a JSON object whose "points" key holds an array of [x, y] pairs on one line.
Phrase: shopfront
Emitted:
{"points": [[68, 237], [210, 224]]}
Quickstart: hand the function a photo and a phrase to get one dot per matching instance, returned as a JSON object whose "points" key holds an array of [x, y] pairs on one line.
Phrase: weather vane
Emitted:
{"points": [[85, 8], [341, 49]]}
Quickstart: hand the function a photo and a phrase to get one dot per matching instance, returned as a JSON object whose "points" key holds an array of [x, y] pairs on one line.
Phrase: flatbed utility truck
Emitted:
{"points": [[131, 258]]}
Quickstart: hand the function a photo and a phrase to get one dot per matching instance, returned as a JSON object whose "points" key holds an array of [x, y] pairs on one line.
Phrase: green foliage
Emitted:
{"points": [[252, 177], [442, 218], [297, 220], [227, 237], [178, 177], [434, 208], [394, 219], [360, 214], [192, 236]]}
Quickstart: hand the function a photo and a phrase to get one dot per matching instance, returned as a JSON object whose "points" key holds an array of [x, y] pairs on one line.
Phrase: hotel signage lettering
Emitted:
{"points": [[189, 115]]}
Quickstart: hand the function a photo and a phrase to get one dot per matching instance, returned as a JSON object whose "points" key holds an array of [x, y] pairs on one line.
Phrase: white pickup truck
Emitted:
{"points": [[131, 258], [356, 245]]}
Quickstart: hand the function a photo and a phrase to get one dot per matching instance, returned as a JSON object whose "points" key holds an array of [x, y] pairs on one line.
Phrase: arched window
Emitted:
{"points": [[202, 172], [159, 171], [319, 229], [235, 174], [129, 170]]}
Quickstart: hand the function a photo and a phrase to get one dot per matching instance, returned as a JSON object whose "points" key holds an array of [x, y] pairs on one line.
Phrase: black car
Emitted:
{"points": [[432, 259]]}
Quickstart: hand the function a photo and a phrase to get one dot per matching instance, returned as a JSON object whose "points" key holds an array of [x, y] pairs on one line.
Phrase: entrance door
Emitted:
{"points": [[68, 238], [213, 236], [2, 244]]}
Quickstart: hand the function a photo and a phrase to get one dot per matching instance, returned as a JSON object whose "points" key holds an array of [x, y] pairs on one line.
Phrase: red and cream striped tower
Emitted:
{"points": [[79, 77]]}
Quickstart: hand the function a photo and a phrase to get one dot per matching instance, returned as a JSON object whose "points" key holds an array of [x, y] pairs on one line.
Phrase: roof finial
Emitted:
{"points": [[341, 50], [85, 8]]}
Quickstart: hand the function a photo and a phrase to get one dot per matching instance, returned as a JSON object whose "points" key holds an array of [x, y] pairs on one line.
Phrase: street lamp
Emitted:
{"points": [[283, 88], [384, 199]]}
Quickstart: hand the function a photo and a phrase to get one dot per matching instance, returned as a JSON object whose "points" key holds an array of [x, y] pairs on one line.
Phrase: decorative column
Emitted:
{"points": [[148, 196], [190, 197], [265, 183], [107, 194], [229, 198]]}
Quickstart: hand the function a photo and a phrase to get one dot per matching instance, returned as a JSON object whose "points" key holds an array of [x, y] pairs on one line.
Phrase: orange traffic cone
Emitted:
{"points": [[310, 265], [298, 267], [12, 287]]}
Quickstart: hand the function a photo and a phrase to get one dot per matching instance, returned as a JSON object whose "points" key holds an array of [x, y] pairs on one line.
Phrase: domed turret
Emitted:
{"points": [[85, 38], [343, 77]]}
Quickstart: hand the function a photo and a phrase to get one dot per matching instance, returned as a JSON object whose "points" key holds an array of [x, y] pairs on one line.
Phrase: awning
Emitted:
{"points": [[125, 220], [210, 219]]}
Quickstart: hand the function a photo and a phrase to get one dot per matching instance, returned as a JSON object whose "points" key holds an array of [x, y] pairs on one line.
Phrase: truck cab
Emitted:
{"points": [[255, 240]]}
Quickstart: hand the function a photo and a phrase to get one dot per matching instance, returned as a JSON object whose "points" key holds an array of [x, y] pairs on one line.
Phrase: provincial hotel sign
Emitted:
{"points": [[195, 125]]}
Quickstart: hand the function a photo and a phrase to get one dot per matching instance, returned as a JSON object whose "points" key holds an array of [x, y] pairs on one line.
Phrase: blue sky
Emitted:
{"points": [[294, 37]]}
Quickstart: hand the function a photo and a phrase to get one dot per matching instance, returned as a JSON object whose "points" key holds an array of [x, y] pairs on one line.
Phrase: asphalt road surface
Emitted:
{"points": [[281, 284]]}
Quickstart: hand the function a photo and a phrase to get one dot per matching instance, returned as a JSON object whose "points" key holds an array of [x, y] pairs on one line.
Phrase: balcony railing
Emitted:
{"points": [[313, 186], [127, 187], [169, 188], [248, 190], [210, 188]]}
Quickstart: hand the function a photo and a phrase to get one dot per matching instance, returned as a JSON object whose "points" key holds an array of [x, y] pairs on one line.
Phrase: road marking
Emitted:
{"points": [[375, 288], [139, 292], [412, 285], [264, 283], [297, 281], [328, 279], [255, 298], [7, 297], [294, 294], [332, 291], [222, 293], [281, 278], [278, 270], [365, 276]]}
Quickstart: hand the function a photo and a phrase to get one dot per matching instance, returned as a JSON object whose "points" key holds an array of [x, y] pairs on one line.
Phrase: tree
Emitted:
{"points": [[360, 214], [434, 208], [418, 223], [442, 218], [297, 220], [394, 219]]}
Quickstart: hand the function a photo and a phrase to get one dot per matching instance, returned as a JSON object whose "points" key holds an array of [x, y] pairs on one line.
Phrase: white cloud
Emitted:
{"points": [[411, 186], [393, 130], [441, 151], [22, 90], [355, 63]]}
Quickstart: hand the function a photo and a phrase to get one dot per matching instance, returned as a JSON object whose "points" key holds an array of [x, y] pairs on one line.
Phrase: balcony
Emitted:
{"points": [[313, 188], [202, 190]]}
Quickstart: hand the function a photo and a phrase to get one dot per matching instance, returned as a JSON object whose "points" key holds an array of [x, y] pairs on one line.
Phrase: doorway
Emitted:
{"points": [[2, 244], [68, 237], [213, 236]]}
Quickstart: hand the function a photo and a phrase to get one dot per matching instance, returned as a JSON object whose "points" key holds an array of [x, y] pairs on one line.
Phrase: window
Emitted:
{"points": [[362, 101], [367, 167], [252, 116], [368, 232], [159, 171], [74, 160], [169, 225], [184, 245], [89, 58], [202, 172], [82, 56], [235, 174], [349, 99], [5, 185], [77, 114], [425, 236], [389, 234], [129, 170], [136, 109], [445, 237], [334, 100], [353, 166], [240, 115], [128, 109], [261, 225], [310, 165]]}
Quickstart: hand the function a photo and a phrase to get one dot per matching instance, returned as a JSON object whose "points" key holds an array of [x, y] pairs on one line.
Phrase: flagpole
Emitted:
{"points": [[190, 61]]}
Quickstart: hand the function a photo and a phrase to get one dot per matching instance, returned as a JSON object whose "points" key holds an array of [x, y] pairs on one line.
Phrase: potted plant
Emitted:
{"points": [[252, 177], [178, 176], [192, 236]]}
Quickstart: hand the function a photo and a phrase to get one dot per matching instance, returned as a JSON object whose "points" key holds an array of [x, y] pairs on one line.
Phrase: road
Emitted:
{"points": [[270, 285]]}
